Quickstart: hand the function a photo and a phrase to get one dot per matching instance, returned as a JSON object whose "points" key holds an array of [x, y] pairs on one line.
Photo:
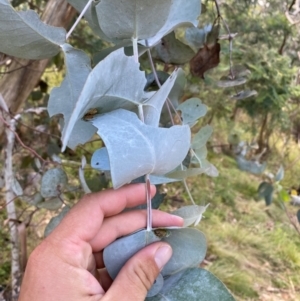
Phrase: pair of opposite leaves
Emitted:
{"points": [[188, 245], [24, 35], [146, 148]]}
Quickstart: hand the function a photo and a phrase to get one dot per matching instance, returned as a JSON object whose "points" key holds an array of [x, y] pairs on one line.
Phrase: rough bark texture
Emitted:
{"points": [[23, 75], [11, 213]]}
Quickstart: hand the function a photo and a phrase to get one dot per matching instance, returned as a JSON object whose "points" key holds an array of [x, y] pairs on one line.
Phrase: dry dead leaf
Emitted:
{"points": [[206, 59]]}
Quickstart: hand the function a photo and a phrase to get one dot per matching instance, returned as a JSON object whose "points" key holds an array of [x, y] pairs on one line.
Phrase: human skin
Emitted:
{"points": [[68, 264]]}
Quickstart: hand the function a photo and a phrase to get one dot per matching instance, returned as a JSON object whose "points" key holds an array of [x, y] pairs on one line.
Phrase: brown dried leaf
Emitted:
{"points": [[206, 59]]}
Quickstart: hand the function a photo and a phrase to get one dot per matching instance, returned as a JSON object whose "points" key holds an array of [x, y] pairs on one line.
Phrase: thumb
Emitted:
{"points": [[138, 274]]}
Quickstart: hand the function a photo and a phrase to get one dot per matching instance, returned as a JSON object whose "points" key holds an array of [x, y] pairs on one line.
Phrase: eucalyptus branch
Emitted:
{"points": [[79, 18], [135, 49], [142, 118], [168, 104], [149, 203]]}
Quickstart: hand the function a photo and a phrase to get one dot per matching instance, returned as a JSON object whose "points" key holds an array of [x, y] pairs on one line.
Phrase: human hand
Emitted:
{"points": [[68, 264]]}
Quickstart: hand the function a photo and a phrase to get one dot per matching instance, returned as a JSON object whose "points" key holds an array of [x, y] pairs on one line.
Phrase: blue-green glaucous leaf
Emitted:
{"points": [[55, 221], [196, 37], [244, 94], [191, 214], [103, 91], [182, 12], [117, 253], [53, 182], [226, 83], [280, 174], [100, 161], [172, 51], [145, 149], [193, 285], [191, 110], [153, 106], [63, 99], [200, 138], [24, 35], [250, 166], [265, 190], [189, 249], [129, 19]]}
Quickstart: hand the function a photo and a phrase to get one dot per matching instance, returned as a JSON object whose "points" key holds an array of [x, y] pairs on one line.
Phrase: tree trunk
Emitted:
{"points": [[261, 139], [23, 75], [11, 212]]}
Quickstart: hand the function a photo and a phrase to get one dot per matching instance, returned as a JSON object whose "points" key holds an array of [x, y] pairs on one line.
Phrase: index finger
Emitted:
{"points": [[85, 218]]}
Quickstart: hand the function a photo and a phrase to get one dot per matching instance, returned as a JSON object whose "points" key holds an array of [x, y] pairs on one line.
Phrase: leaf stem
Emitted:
{"points": [[142, 118], [78, 19], [188, 189], [168, 102], [141, 113], [149, 205], [135, 49]]}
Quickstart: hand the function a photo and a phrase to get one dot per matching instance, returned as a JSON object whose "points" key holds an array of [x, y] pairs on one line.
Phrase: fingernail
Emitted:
{"points": [[179, 220], [162, 256]]}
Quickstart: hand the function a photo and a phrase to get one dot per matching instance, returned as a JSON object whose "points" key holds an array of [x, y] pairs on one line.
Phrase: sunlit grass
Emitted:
{"points": [[252, 248]]}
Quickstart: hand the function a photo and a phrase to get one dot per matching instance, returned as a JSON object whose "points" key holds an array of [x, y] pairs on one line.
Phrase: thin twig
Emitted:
{"points": [[168, 102], [292, 4], [218, 9], [19, 68], [188, 190], [290, 219], [21, 142], [230, 36], [79, 18]]}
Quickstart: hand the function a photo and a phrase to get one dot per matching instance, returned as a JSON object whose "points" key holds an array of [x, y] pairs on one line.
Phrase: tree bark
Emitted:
{"points": [[261, 140], [23, 75], [11, 212]]}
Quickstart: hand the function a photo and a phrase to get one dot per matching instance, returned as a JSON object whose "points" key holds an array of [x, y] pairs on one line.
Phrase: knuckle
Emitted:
{"points": [[145, 272]]}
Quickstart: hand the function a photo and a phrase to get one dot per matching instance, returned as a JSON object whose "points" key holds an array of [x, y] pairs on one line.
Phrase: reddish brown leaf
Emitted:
{"points": [[206, 59]]}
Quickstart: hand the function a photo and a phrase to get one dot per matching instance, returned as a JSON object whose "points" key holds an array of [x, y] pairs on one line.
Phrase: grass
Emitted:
{"points": [[252, 248]]}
